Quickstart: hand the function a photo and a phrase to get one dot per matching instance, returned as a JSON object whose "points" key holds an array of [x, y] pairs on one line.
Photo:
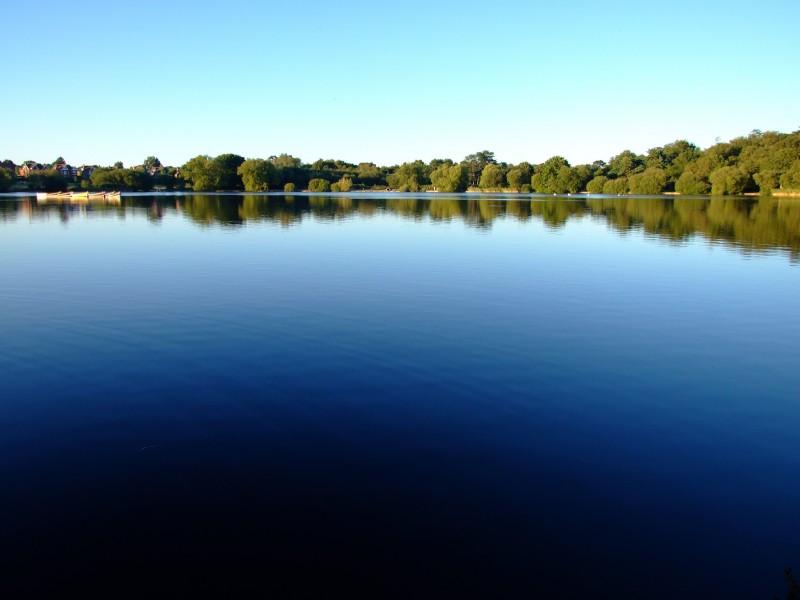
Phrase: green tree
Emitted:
{"points": [[584, 174], [717, 156], [692, 182], [7, 180], [729, 180], [475, 164], [568, 181], [514, 178], [290, 170], [408, 177], [369, 174], [228, 171], [286, 161], [492, 177], [289, 187], [117, 179], [345, 184], [519, 175], [138, 181], [616, 186], [790, 180], [203, 173], [258, 175], [767, 181], [151, 162], [595, 186], [324, 165], [319, 185], [626, 163], [673, 158], [651, 182], [47, 181], [545, 179], [450, 178], [165, 180], [107, 179]]}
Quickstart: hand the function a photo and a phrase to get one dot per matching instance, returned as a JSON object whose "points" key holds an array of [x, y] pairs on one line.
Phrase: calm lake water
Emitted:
{"points": [[395, 395]]}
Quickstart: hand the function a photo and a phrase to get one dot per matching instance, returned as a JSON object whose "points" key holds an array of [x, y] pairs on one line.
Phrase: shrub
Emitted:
{"points": [[616, 186], [319, 185], [691, 184], [651, 182], [595, 186], [289, 187], [7, 179], [729, 180]]}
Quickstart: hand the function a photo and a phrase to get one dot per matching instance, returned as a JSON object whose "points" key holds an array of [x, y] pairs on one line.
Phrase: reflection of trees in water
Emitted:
{"points": [[557, 212], [753, 223], [208, 210], [761, 223], [408, 207], [446, 210]]}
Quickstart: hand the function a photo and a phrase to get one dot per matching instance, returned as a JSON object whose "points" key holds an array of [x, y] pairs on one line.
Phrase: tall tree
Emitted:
{"points": [[202, 172], [258, 175], [729, 180], [595, 186], [151, 162], [228, 165], [369, 173], [626, 163], [693, 181], [475, 164], [790, 180], [549, 178], [519, 175], [450, 178], [47, 181], [568, 181], [651, 182], [492, 177], [673, 158], [408, 177], [285, 161]]}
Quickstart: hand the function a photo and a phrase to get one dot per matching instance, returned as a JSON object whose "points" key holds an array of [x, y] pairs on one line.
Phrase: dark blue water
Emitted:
{"points": [[393, 396]]}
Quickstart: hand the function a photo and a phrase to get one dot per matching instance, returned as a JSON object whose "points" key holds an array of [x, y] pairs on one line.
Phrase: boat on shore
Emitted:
{"points": [[79, 196]]}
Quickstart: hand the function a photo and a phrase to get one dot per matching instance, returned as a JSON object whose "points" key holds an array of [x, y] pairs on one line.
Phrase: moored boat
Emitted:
{"points": [[52, 195], [110, 196]]}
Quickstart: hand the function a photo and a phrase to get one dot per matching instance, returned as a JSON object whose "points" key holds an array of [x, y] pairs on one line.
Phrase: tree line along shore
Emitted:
{"points": [[760, 162]]}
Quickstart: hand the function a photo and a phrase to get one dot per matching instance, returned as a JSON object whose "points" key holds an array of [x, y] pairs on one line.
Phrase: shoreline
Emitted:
{"points": [[469, 192]]}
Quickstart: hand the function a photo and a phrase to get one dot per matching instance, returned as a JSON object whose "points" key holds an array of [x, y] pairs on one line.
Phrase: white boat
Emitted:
{"points": [[113, 196]]}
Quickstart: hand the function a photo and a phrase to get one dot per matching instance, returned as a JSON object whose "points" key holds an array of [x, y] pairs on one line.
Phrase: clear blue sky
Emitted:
{"points": [[99, 82]]}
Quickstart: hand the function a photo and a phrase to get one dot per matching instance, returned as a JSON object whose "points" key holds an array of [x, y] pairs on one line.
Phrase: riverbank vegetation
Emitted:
{"points": [[761, 162]]}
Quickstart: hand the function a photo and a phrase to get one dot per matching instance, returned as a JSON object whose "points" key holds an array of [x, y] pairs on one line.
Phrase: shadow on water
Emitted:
{"points": [[752, 224]]}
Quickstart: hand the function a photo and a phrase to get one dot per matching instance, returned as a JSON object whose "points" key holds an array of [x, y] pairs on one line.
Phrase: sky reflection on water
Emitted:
{"points": [[394, 395]]}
